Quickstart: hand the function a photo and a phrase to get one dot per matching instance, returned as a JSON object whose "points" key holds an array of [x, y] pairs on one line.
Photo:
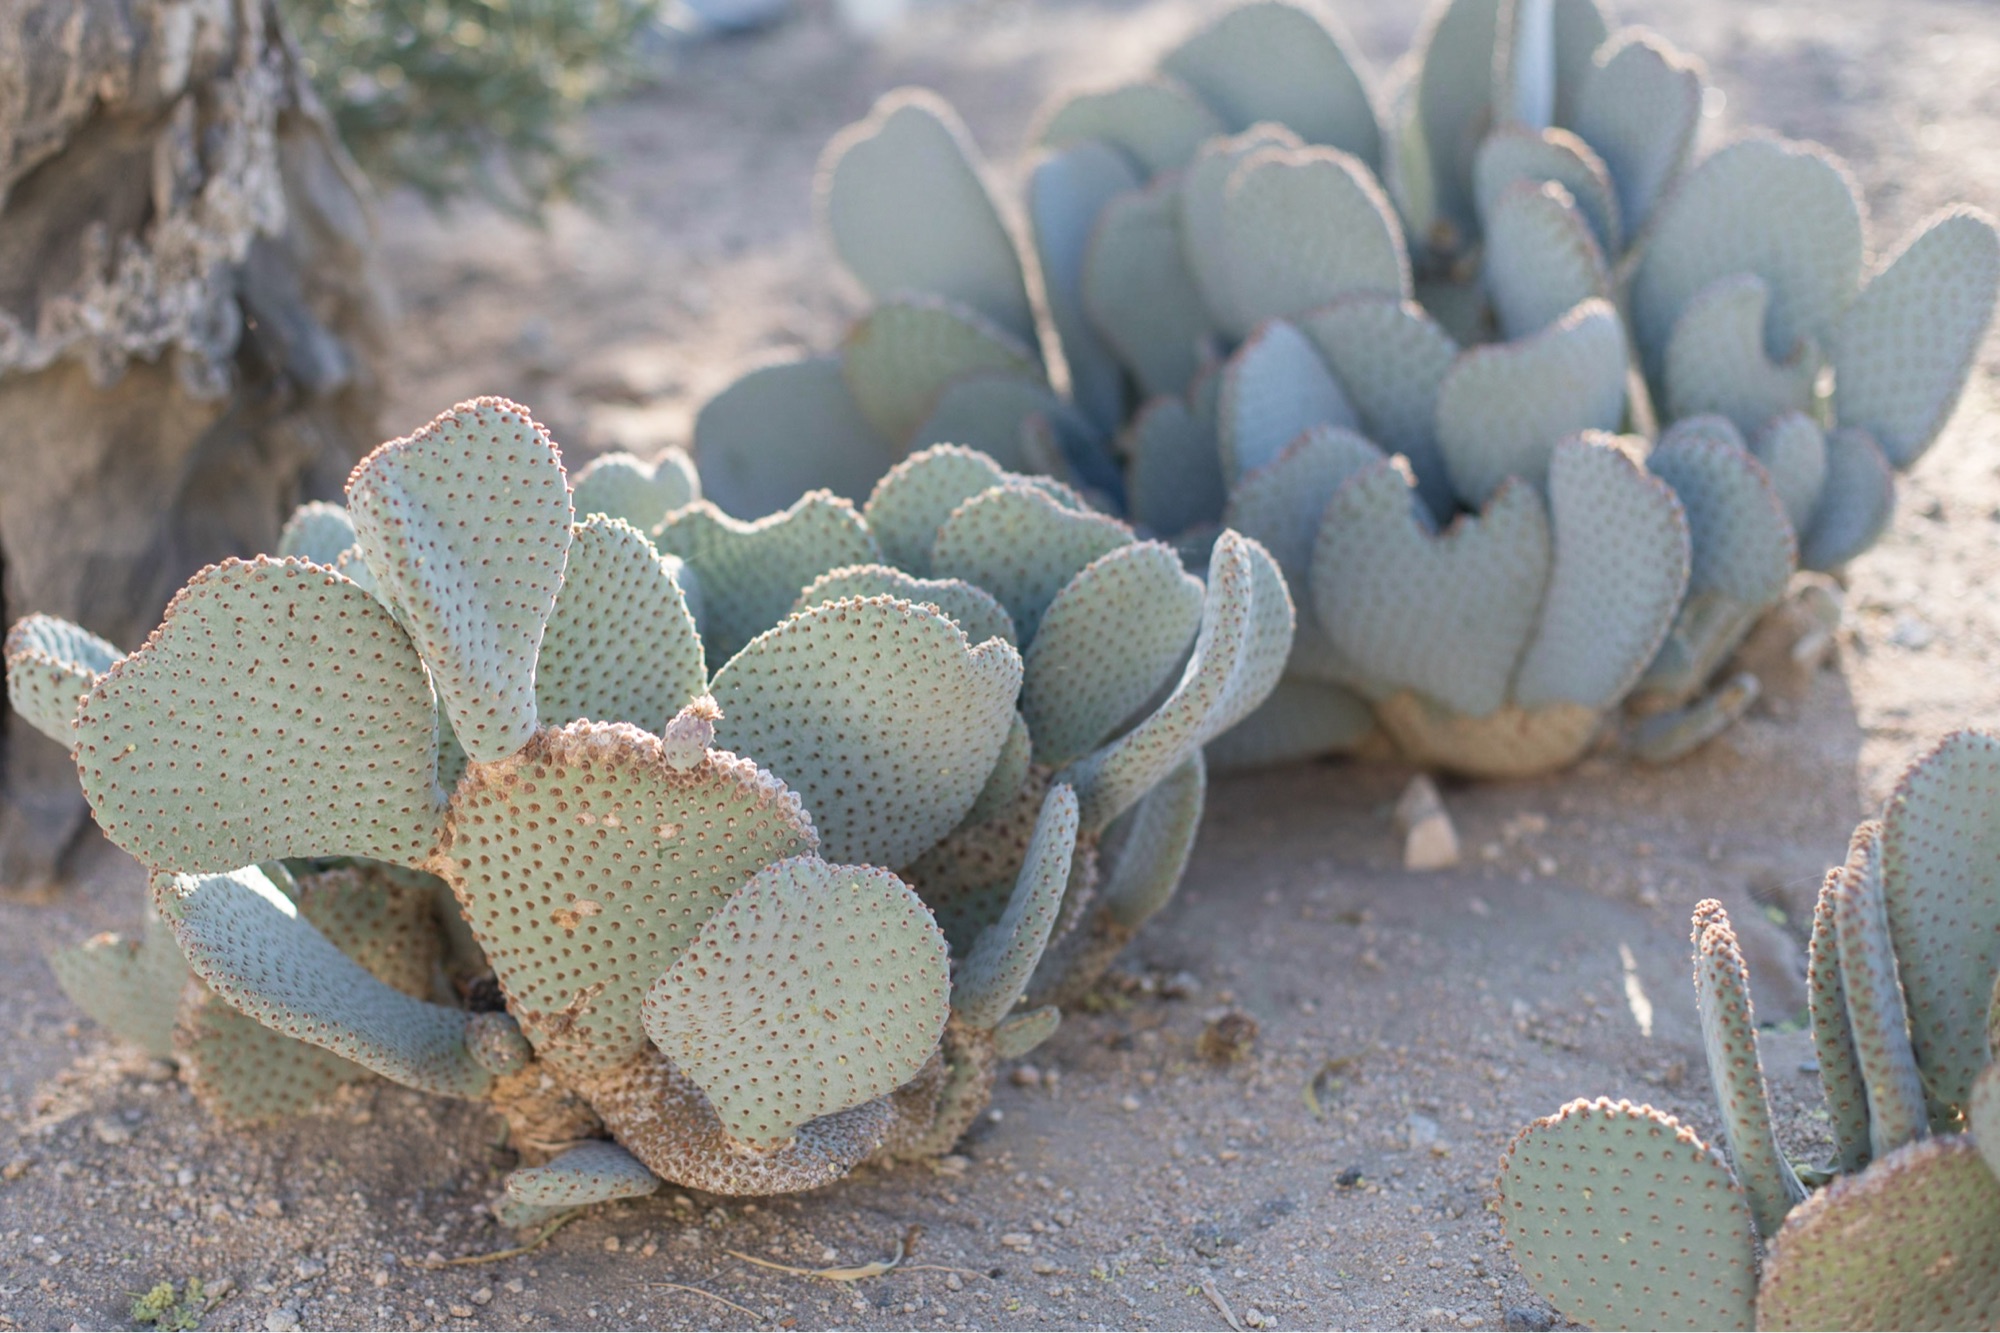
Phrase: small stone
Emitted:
{"points": [[1429, 840], [308, 1268], [1227, 1038], [379, 1278], [1349, 1178], [284, 1319], [1128, 1102], [1528, 1319], [514, 1286], [482, 1296], [953, 1164], [611, 1244], [1017, 1240], [1180, 986], [1423, 1130], [1043, 1267], [952, 1282], [1254, 1317], [109, 1132], [459, 1311], [15, 1168], [1025, 1076], [269, 1208]]}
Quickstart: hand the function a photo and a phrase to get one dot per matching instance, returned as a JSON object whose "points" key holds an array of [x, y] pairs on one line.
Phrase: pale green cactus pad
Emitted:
{"points": [[973, 609], [620, 645], [642, 492], [1639, 106], [1793, 450], [1024, 1032], [1273, 389], [900, 356], [1502, 407], [51, 665], [1302, 227], [914, 498], [244, 1073], [1139, 293], [1856, 502], [1109, 641], [990, 412], [470, 558], [881, 716], [996, 970], [1941, 889], [1542, 260], [1833, 1037], [1391, 358], [1912, 1243], [751, 573], [816, 988], [1068, 190], [1199, 229], [130, 987], [1902, 351], [901, 196], [1175, 479], [317, 531], [801, 412], [260, 665], [1622, 1218], [1715, 359], [593, 1172], [1513, 154], [1982, 1116], [1729, 1038], [1454, 107], [1153, 125], [1876, 1007], [1022, 545]]}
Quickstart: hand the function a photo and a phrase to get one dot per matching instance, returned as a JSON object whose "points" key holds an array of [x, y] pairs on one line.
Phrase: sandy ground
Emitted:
{"points": [[1123, 1181]]}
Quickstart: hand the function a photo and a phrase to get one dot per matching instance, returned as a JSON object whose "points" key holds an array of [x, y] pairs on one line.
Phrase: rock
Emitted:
{"points": [[1228, 1037], [284, 1319], [1429, 840], [1528, 1319]]}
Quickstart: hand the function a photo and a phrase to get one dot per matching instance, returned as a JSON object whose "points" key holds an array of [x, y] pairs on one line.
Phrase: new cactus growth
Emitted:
{"points": [[1264, 277], [483, 821], [1623, 1218]]}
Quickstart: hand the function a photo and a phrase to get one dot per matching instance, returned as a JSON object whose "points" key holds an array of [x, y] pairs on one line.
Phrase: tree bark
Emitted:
{"points": [[191, 324]]}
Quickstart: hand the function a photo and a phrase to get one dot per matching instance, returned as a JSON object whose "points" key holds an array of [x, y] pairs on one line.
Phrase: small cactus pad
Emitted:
{"points": [[317, 531], [1913, 1243], [1067, 191], [816, 988], [253, 947], [1022, 545], [1024, 1032], [1515, 153], [1639, 107], [968, 879], [51, 665], [244, 1073], [1274, 388], [1199, 231], [592, 1172], [1152, 124], [465, 525], [1840, 1076], [1109, 642], [901, 196], [751, 573], [1502, 407], [1941, 888], [622, 485], [881, 716], [1792, 449], [898, 358], [579, 911], [1150, 845], [992, 975], [1622, 1218], [1175, 479], [1716, 362], [1391, 357], [1138, 291], [1902, 351], [1274, 61], [1247, 624], [1855, 504], [1446, 614], [1305, 226], [1454, 107], [130, 987], [496, 1043], [1982, 1116], [1541, 258], [783, 430], [1877, 1011], [1783, 211], [620, 645], [301, 725], [972, 609], [912, 501], [1729, 1038], [1618, 572]]}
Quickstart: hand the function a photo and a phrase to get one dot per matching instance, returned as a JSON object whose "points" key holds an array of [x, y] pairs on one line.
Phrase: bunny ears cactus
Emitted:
{"points": [[1623, 1218], [497, 749], [1261, 272]]}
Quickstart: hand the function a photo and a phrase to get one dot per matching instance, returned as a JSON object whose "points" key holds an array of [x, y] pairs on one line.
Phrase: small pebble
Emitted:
{"points": [[953, 1283], [109, 1132], [15, 1168], [1129, 1102], [459, 1311], [284, 1319], [1043, 1267], [1528, 1319], [514, 1286], [1430, 842], [1025, 1076], [1017, 1240], [1227, 1038], [269, 1208], [482, 1296]]}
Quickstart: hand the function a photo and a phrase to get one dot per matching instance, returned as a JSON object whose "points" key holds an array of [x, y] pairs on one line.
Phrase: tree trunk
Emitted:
{"points": [[191, 320]]}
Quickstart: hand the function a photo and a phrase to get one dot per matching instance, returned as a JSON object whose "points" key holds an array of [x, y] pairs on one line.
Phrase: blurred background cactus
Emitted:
{"points": [[1623, 1218], [466, 808], [1261, 276]]}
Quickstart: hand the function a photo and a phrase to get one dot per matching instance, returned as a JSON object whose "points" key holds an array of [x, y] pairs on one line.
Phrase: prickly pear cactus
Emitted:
{"points": [[746, 926], [1267, 272], [1623, 1218]]}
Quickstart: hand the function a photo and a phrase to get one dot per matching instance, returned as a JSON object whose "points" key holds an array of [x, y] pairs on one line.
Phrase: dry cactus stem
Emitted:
{"points": [[447, 792], [1623, 1218], [1478, 352]]}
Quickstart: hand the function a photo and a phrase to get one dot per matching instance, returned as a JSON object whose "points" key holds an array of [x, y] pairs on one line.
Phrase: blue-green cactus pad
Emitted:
{"points": [[1878, 1008], [1022, 545], [1639, 107], [1515, 153], [593, 1172], [899, 357], [1792, 449], [1154, 123], [1273, 390], [317, 531], [993, 974], [1541, 259], [642, 493], [1716, 362], [987, 413], [51, 665], [130, 987], [1138, 291], [881, 716], [1067, 191], [973, 609], [1391, 357], [1175, 480], [1856, 502], [783, 430], [914, 498], [1200, 233], [1302, 227]]}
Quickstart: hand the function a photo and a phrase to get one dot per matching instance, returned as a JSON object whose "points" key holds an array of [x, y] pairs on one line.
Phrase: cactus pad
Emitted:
{"points": [[1541, 258], [302, 726], [1855, 504], [1273, 389], [1622, 1218], [972, 609], [1274, 61], [1792, 449], [783, 430], [816, 988], [1175, 479], [1639, 107], [881, 716], [1876, 1007], [51, 666], [1067, 191], [994, 972], [1391, 357], [899, 357], [1139, 292], [1155, 124], [592, 1172], [1199, 231], [1716, 362], [465, 525], [1305, 226], [130, 987], [1840, 1075], [1024, 1032], [1022, 545], [317, 531], [1515, 153], [1913, 1242], [621, 485]]}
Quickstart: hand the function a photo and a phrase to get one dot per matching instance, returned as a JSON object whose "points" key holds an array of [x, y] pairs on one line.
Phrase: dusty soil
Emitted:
{"points": [[1122, 1180]]}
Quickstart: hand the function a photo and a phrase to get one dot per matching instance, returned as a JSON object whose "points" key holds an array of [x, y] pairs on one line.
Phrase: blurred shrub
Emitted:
{"points": [[456, 97]]}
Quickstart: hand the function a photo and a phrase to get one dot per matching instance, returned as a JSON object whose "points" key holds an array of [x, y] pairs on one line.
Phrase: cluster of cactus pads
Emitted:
{"points": [[1623, 1218], [449, 792], [1537, 414]]}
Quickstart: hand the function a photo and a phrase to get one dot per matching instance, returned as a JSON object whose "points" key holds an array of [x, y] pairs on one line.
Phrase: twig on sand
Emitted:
{"points": [[541, 1237], [1222, 1306], [877, 1269], [720, 1300]]}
